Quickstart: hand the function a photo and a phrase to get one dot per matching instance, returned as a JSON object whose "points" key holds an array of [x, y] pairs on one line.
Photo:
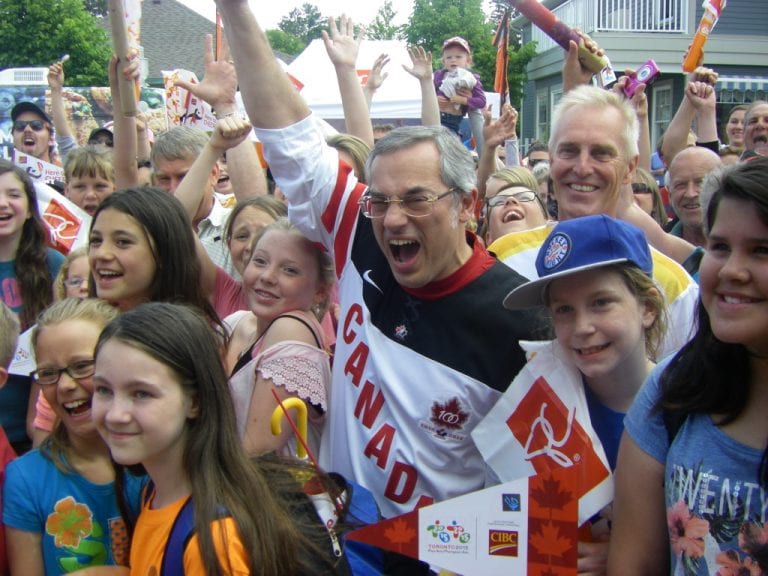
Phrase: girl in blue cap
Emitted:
{"points": [[608, 316]]}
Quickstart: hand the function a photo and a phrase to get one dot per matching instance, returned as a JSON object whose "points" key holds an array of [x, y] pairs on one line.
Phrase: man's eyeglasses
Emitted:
{"points": [[502, 199], [77, 371], [416, 205], [533, 161], [36, 125], [640, 188]]}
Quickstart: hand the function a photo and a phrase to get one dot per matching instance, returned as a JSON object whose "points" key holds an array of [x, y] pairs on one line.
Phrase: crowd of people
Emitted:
{"points": [[376, 286]]}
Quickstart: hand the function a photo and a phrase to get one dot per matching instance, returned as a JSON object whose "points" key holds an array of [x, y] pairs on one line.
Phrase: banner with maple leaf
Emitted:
{"points": [[542, 423], [524, 527]]}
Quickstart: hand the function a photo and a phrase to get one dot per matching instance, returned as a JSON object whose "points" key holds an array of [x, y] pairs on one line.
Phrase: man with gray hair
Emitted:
{"points": [[425, 347], [594, 152], [686, 172], [173, 154]]}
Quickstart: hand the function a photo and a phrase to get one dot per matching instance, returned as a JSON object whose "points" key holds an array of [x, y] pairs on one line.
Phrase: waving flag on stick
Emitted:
{"points": [[501, 41]]}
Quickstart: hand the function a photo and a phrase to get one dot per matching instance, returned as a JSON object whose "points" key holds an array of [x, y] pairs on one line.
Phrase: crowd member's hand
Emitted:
{"points": [[219, 83], [56, 76], [593, 558], [342, 45], [639, 99], [377, 76], [574, 73], [701, 95], [421, 63], [230, 131], [703, 74], [496, 132]]}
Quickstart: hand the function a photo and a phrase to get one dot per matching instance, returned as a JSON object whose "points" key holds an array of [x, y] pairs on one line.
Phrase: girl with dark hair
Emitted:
{"points": [[60, 509], [693, 466], [162, 402], [27, 269], [142, 249]]}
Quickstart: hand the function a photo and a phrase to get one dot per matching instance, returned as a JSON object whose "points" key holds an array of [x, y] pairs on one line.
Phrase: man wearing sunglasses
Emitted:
{"points": [[32, 131], [425, 347]]}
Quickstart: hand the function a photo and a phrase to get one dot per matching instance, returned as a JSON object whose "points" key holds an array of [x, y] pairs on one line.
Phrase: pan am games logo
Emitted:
{"points": [[552, 436]]}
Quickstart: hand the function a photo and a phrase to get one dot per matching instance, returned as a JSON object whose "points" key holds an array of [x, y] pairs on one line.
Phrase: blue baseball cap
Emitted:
{"points": [[582, 244]]}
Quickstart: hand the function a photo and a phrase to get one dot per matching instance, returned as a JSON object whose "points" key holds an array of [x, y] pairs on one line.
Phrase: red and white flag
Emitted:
{"points": [[542, 423]]}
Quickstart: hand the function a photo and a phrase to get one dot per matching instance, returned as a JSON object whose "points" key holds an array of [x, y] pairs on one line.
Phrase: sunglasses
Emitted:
{"points": [[36, 125], [640, 188]]}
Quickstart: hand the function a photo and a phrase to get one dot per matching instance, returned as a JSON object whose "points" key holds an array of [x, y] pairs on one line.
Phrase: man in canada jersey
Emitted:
{"points": [[425, 347]]}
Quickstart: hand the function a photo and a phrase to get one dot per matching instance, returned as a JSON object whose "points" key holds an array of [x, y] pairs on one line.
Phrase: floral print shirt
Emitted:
{"points": [[716, 508]]}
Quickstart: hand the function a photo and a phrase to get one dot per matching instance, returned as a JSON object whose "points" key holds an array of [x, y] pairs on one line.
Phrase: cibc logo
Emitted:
{"points": [[503, 543]]}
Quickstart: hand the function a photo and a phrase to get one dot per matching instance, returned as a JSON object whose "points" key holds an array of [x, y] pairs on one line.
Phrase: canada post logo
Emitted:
{"points": [[503, 543], [552, 436], [62, 225]]}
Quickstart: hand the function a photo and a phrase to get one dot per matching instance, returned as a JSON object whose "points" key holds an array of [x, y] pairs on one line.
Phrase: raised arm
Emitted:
{"points": [[58, 113], [270, 99], [343, 46], [421, 69], [124, 128], [574, 73], [375, 78], [228, 133], [218, 87], [495, 133], [697, 93], [639, 102]]}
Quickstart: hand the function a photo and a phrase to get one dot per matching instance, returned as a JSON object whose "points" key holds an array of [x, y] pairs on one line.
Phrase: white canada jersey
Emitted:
{"points": [[411, 376]]}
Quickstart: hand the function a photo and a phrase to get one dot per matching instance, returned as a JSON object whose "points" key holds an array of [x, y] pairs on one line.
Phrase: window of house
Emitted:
{"points": [[661, 110], [542, 115]]}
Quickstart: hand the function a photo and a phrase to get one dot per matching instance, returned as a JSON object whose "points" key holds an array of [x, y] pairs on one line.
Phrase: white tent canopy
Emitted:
{"points": [[398, 97]]}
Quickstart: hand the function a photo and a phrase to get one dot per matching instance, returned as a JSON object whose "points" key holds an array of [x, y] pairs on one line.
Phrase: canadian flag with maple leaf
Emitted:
{"points": [[542, 423]]}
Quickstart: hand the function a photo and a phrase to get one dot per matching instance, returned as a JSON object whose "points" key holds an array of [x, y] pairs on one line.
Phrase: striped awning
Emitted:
{"points": [[741, 89]]}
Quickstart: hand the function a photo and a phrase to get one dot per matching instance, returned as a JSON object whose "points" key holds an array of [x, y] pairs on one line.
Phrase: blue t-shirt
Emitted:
{"points": [[716, 509], [79, 521], [14, 396], [607, 423]]}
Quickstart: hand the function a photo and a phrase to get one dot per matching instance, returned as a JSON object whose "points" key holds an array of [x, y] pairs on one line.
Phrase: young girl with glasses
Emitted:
{"points": [[511, 204], [60, 509]]}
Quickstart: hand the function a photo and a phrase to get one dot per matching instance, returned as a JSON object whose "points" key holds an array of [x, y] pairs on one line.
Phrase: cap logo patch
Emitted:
{"points": [[557, 251]]}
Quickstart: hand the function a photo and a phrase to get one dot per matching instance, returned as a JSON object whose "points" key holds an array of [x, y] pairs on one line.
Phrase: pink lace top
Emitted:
{"points": [[302, 369]]}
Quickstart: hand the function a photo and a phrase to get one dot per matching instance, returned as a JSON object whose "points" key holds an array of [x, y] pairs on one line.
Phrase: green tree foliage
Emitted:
{"points": [[96, 7], [284, 42], [305, 23], [383, 26], [38, 32], [434, 21]]}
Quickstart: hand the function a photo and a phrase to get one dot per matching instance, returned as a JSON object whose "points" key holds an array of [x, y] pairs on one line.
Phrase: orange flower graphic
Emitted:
{"points": [[686, 531], [69, 523]]}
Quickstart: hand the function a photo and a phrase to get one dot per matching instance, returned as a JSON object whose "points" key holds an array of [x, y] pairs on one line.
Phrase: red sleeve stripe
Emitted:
{"points": [[331, 211], [346, 229]]}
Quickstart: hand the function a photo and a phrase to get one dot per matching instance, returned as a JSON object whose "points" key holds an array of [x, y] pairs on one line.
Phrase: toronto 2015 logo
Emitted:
{"points": [[447, 533]]}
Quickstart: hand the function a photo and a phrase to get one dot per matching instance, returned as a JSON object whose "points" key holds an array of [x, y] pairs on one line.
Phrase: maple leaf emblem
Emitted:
{"points": [[449, 415], [549, 541], [551, 496], [400, 533]]}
